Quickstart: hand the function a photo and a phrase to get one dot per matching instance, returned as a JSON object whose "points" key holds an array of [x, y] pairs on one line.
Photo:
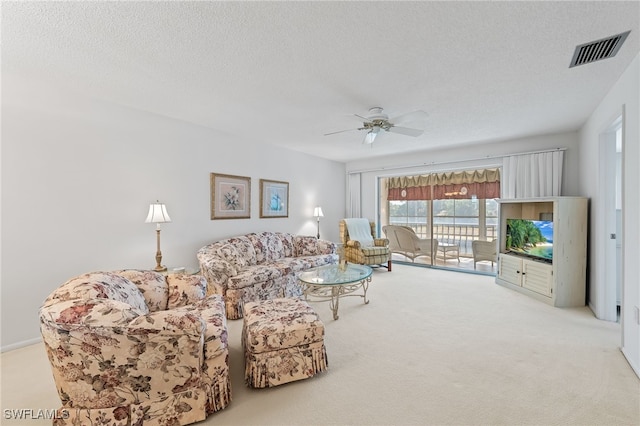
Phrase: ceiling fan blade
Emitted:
{"points": [[406, 131], [410, 117], [340, 131]]}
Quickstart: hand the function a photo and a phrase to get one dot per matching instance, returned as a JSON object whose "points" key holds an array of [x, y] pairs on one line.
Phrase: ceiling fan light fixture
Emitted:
{"points": [[378, 122], [371, 136]]}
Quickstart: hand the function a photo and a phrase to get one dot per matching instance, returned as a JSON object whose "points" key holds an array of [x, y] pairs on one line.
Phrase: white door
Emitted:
{"points": [[608, 292]]}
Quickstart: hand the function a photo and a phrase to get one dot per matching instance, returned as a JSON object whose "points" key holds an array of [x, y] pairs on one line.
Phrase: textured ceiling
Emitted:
{"points": [[286, 73]]}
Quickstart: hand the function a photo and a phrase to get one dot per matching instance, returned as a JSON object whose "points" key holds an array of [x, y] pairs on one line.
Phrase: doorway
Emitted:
{"points": [[449, 210], [609, 294]]}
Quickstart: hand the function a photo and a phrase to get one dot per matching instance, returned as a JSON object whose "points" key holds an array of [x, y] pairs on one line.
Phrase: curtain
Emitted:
{"points": [[532, 175], [353, 195]]}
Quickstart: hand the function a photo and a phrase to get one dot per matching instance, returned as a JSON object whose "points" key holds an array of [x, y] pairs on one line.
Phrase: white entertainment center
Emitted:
{"points": [[561, 280]]}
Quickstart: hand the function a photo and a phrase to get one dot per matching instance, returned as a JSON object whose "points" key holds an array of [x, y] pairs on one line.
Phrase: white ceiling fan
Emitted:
{"points": [[377, 121]]}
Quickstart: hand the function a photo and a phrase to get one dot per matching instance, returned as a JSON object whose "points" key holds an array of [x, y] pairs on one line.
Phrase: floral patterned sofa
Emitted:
{"points": [[136, 347], [261, 266]]}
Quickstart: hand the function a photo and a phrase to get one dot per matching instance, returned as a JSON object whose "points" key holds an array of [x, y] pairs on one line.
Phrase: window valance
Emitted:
{"points": [[464, 184], [445, 178]]}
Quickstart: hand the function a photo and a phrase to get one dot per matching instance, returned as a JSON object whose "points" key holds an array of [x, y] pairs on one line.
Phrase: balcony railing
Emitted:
{"points": [[462, 235]]}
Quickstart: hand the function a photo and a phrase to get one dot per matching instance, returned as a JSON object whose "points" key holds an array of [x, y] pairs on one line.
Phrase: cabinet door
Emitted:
{"points": [[537, 276], [510, 269]]}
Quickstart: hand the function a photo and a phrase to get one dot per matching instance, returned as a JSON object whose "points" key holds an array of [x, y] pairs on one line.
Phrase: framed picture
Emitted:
{"points": [[230, 197], [274, 198]]}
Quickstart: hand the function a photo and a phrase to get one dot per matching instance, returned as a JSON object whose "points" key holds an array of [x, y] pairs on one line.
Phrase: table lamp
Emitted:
{"points": [[317, 212], [158, 214]]}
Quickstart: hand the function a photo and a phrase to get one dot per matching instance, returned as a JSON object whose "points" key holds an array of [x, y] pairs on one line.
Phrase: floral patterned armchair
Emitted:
{"points": [[136, 347]]}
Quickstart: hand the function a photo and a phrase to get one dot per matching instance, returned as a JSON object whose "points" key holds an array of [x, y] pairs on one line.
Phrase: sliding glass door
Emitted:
{"points": [[451, 208], [461, 222], [412, 213]]}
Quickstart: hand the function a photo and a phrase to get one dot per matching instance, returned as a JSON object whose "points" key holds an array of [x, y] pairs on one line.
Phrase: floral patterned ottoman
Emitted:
{"points": [[283, 341]]}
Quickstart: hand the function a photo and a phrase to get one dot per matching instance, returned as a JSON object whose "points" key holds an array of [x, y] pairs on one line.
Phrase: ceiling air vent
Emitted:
{"points": [[599, 49]]}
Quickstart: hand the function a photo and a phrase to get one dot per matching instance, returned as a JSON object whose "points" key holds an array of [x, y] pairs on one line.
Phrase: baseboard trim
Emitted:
{"points": [[444, 268], [21, 344]]}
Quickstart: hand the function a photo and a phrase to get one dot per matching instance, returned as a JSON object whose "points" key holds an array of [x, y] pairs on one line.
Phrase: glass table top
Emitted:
{"points": [[334, 275]]}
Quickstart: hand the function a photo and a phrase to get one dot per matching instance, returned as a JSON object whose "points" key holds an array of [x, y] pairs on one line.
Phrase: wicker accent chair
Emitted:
{"points": [[484, 251], [403, 240], [355, 252]]}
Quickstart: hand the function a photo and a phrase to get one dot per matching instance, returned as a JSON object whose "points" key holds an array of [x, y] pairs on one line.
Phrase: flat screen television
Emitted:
{"points": [[530, 238]]}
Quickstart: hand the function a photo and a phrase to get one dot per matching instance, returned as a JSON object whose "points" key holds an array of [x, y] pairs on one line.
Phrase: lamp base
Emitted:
{"points": [[159, 267]]}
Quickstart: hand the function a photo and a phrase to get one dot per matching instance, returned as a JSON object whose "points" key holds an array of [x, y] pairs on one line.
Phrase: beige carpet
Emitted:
{"points": [[433, 347]]}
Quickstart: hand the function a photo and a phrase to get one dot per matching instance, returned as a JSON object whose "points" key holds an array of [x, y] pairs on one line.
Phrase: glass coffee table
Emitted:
{"points": [[331, 282]]}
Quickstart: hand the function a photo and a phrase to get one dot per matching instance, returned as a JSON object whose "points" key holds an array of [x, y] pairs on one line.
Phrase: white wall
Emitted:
{"points": [[78, 176], [625, 94], [453, 159]]}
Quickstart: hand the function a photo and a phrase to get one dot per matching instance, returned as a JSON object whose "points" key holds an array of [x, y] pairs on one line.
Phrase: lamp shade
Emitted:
{"points": [[317, 212], [158, 213]]}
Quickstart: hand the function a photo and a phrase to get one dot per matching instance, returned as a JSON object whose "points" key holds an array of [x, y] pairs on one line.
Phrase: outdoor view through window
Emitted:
{"points": [[455, 220]]}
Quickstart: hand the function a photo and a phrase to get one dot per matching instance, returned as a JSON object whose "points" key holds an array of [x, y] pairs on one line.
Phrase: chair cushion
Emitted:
{"points": [[291, 264], [253, 275], [287, 243], [306, 246], [151, 284], [185, 289], [238, 252], [280, 323], [268, 247], [228, 252], [375, 251]]}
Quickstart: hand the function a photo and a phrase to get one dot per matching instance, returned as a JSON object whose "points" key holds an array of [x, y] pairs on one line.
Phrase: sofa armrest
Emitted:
{"points": [[217, 271], [216, 281], [327, 247]]}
